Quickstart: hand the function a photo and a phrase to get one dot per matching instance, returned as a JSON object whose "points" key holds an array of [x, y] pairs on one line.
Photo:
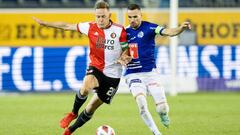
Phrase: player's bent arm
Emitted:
{"points": [[60, 25], [176, 31], [171, 31], [125, 53], [125, 58]]}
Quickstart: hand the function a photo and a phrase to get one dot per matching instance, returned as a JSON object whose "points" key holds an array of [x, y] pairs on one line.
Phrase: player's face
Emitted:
{"points": [[134, 18], [102, 17]]}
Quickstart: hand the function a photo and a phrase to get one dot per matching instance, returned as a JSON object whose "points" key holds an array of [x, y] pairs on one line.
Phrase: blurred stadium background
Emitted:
{"points": [[36, 59]]}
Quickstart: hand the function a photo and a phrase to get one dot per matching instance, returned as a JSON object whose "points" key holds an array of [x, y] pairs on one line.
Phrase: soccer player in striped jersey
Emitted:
{"points": [[141, 75], [108, 52]]}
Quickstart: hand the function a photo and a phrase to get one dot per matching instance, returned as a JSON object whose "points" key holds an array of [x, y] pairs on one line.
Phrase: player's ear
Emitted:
{"points": [[110, 15]]}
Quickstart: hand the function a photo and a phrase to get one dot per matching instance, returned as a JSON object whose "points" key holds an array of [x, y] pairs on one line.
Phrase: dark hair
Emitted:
{"points": [[133, 7], [101, 4]]}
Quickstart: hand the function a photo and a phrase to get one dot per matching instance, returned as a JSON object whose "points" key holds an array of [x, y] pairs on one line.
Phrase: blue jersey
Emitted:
{"points": [[142, 47]]}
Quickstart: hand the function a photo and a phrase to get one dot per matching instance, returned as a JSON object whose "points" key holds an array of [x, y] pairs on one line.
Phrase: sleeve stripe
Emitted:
{"points": [[123, 43], [124, 46]]}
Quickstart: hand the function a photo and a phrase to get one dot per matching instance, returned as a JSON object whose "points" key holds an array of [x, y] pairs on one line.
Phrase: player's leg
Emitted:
{"points": [[90, 82], [158, 94], [145, 114], [138, 90], [86, 114], [106, 89], [161, 105]]}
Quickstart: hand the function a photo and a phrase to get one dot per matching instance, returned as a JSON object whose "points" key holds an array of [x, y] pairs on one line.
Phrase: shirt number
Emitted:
{"points": [[111, 91]]}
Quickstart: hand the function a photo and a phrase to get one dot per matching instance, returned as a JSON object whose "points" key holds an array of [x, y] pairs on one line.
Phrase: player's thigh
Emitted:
{"points": [[90, 82], [107, 88], [136, 85]]}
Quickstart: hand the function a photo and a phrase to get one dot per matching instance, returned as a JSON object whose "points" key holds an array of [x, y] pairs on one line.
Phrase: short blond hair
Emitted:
{"points": [[101, 4]]}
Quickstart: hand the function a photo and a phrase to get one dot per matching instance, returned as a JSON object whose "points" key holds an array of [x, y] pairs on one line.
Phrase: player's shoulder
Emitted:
{"points": [[117, 25], [146, 23], [92, 23], [86, 24], [128, 27]]}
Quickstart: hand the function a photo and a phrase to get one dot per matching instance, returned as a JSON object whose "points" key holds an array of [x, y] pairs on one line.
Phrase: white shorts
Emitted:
{"points": [[146, 82]]}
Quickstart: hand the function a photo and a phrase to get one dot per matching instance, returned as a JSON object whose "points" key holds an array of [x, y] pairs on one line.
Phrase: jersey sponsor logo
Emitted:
{"points": [[109, 47], [133, 50], [140, 34], [109, 41], [134, 65], [100, 42], [105, 43]]}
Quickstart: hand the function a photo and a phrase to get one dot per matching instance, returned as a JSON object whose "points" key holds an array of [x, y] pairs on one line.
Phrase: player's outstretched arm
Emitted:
{"points": [[176, 31], [60, 25]]}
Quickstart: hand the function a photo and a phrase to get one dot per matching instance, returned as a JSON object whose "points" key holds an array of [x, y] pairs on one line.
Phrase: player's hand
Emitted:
{"points": [[186, 26], [38, 21], [124, 60]]}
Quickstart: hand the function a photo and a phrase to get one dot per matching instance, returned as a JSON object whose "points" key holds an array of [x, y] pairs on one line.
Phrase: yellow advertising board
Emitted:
{"points": [[218, 27], [19, 29]]}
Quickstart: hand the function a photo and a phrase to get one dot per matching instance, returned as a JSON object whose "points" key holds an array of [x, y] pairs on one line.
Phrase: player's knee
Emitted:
{"points": [[84, 91], [142, 109], [162, 108], [142, 105]]}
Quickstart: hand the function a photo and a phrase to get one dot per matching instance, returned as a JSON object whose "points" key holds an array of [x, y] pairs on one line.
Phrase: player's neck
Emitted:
{"points": [[108, 25], [138, 26]]}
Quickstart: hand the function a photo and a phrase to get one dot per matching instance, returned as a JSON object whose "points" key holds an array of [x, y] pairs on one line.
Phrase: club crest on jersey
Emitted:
{"points": [[113, 35], [140, 34]]}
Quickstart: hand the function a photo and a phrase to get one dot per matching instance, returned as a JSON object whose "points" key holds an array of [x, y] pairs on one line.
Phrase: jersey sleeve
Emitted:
{"points": [[159, 30], [123, 39], [155, 28], [83, 27]]}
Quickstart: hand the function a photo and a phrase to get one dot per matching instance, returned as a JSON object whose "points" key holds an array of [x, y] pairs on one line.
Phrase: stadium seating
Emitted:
{"points": [[114, 3], [9, 3]]}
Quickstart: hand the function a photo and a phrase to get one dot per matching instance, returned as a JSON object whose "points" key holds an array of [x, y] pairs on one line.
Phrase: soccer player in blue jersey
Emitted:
{"points": [[140, 74]]}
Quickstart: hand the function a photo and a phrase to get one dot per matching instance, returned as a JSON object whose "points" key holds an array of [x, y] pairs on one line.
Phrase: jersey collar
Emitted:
{"points": [[109, 25]]}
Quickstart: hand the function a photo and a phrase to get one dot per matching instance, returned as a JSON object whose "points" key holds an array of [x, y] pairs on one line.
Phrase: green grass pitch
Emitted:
{"points": [[191, 114]]}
